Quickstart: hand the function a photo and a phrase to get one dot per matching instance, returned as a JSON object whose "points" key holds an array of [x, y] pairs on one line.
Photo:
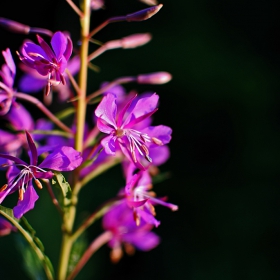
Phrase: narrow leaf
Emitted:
{"points": [[29, 234], [60, 182]]}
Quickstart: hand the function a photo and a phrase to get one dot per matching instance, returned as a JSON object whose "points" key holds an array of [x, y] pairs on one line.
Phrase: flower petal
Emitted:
{"points": [[58, 43], [28, 202], [62, 159], [106, 110], [108, 144], [142, 240], [33, 149]]}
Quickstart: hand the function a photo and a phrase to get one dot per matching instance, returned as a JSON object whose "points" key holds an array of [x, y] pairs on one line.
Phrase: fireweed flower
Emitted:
{"points": [[20, 173], [48, 61], [125, 233], [32, 81], [141, 199], [134, 143]]}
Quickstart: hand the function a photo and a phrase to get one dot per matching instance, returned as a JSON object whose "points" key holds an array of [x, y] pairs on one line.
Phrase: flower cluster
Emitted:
{"points": [[120, 132]]}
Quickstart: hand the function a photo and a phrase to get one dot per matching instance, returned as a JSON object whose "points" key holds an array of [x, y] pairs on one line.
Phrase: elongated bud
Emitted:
{"points": [[20, 28], [149, 2], [143, 14], [135, 40], [14, 26], [156, 78]]}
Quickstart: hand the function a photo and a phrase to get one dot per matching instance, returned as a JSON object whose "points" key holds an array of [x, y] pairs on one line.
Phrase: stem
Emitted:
{"points": [[94, 246], [69, 216], [75, 8], [42, 107], [81, 108], [73, 81], [118, 81], [52, 195], [105, 23], [99, 212], [99, 169]]}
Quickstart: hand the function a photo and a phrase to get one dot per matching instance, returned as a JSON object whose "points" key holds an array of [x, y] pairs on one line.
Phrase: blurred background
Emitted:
{"points": [[224, 107]]}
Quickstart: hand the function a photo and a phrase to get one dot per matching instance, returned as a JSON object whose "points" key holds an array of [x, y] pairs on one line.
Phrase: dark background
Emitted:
{"points": [[224, 107]]}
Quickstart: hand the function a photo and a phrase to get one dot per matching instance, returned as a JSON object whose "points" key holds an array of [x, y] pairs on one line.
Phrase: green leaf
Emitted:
{"points": [[60, 182], [77, 251], [31, 262], [29, 234]]}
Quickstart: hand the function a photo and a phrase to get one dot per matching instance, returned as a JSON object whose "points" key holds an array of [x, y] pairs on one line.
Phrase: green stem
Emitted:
{"points": [[94, 246], [69, 216]]}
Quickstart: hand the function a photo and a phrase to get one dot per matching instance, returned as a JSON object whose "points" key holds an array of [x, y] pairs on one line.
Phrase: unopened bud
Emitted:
{"points": [[14, 26], [143, 14], [156, 78], [149, 2], [135, 40]]}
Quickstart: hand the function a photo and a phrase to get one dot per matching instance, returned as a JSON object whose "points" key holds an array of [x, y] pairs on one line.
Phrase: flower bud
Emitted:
{"points": [[135, 40], [14, 26], [143, 14], [156, 78], [149, 2]]}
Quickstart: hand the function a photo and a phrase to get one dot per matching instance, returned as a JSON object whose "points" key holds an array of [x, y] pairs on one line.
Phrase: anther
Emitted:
{"points": [[20, 194], [152, 209], [38, 184], [157, 141], [133, 156], [136, 218], [4, 187]]}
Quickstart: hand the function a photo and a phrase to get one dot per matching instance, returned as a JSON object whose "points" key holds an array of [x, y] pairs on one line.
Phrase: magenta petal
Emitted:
{"points": [[132, 203], [28, 83], [161, 132], [58, 43], [145, 105], [28, 202], [20, 118], [148, 218], [31, 48], [143, 240], [46, 48], [69, 49], [33, 149], [14, 159], [9, 61], [159, 154], [62, 159], [107, 109], [109, 145], [104, 127]]}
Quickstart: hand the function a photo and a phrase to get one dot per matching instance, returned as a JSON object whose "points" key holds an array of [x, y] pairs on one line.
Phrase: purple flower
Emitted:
{"points": [[20, 173], [141, 199], [119, 221], [33, 82], [48, 61], [125, 129]]}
